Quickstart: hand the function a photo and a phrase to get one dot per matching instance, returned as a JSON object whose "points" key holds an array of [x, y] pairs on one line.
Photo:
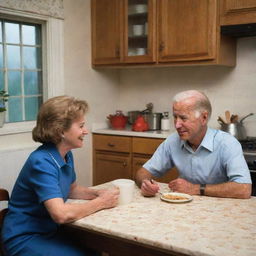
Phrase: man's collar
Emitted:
{"points": [[207, 141]]}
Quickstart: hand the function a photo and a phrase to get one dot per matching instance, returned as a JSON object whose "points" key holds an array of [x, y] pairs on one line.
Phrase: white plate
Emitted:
{"points": [[187, 198]]}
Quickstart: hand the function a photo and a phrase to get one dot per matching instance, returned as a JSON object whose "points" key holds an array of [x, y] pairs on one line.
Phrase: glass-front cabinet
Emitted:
{"points": [[139, 26], [158, 32]]}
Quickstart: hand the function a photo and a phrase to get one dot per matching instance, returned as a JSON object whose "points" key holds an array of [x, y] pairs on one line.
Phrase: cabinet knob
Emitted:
{"points": [[124, 164], [111, 145], [161, 46], [117, 52]]}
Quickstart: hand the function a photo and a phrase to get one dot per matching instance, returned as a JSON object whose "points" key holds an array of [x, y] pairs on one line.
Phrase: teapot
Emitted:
{"points": [[140, 125], [118, 121]]}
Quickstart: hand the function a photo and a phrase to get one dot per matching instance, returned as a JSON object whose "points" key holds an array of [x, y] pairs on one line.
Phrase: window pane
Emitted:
{"points": [[13, 56], [20, 68], [14, 83], [29, 34], [14, 105], [1, 80], [32, 83], [12, 33], [1, 56], [31, 107], [31, 57]]}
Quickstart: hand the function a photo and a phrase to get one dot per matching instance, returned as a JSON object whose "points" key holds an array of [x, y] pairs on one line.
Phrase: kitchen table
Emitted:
{"points": [[148, 226]]}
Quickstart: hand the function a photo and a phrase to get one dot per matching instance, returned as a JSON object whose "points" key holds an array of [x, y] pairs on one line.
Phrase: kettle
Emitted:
{"points": [[118, 121], [236, 129], [140, 124]]}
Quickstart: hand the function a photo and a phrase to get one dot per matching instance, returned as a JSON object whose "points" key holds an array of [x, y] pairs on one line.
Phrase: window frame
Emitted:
{"points": [[52, 60]]}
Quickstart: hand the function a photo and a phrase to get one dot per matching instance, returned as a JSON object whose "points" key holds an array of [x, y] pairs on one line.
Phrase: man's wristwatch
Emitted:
{"points": [[202, 189]]}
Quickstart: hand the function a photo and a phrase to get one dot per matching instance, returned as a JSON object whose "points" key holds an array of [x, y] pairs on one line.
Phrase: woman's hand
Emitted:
{"points": [[149, 187], [109, 197]]}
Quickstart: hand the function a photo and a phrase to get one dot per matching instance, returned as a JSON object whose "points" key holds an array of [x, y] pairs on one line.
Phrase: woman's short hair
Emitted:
{"points": [[55, 116], [201, 101]]}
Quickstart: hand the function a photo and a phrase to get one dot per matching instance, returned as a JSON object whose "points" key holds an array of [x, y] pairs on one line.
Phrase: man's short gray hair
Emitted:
{"points": [[201, 101]]}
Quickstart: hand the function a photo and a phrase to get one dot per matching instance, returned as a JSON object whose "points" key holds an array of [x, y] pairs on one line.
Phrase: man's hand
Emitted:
{"points": [[149, 187], [183, 186]]}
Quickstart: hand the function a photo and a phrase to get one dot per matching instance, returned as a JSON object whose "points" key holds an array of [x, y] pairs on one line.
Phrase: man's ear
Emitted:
{"points": [[204, 117]]}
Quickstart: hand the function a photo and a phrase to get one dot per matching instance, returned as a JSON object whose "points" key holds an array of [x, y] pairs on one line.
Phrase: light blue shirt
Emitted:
{"points": [[219, 158]]}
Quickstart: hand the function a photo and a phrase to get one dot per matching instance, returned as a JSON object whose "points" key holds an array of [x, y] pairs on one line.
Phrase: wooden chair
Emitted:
{"points": [[4, 196]]}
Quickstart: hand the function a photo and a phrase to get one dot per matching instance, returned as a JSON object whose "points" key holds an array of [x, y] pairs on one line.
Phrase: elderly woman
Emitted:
{"points": [[38, 202]]}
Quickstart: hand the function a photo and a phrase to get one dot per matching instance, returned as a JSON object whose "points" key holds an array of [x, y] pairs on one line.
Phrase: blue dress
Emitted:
{"points": [[28, 228]]}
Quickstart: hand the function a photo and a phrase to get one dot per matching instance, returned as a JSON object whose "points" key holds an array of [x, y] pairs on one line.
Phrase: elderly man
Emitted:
{"points": [[210, 162]]}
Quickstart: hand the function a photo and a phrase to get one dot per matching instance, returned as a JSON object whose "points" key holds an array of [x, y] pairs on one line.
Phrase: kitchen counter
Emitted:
{"points": [[129, 132], [205, 226]]}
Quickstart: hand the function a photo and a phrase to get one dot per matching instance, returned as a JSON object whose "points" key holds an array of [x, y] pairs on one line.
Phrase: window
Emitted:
{"points": [[52, 62], [21, 69]]}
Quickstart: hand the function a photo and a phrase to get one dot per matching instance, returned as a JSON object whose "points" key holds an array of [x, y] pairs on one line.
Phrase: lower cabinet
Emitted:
{"points": [[111, 166], [116, 157], [138, 163]]}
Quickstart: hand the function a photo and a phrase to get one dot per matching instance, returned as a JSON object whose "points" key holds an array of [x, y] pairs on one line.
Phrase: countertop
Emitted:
{"points": [[205, 226], [128, 132]]}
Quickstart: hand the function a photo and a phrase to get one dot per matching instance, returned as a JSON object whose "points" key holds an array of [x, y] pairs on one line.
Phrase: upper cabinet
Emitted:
{"points": [[123, 31], [139, 31], [234, 12], [107, 29], [187, 30], [158, 33]]}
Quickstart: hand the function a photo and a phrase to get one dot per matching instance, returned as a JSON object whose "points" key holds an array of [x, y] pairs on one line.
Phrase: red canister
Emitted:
{"points": [[118, 121]]}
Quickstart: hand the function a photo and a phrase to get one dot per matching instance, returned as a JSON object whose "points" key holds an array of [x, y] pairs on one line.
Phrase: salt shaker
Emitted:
{"points": [[165, 122]]}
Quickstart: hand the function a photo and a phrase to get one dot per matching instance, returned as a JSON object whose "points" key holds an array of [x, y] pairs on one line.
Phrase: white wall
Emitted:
{"points": [[231, 89], [99, 88], [11, 163]]}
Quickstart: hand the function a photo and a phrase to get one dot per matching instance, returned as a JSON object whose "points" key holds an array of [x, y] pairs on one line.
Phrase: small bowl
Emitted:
{"points": [[138, 30], [141, 8], [137, 8], [136, 51]]}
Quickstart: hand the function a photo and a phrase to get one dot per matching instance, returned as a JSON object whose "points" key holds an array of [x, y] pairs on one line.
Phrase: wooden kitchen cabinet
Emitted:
{"points": [[176, 32], [142, 150], [115, 40], [187, 30], [111, 158], [110, 166], [236, 12], [107, 27], [139, 31], [116, 157]]}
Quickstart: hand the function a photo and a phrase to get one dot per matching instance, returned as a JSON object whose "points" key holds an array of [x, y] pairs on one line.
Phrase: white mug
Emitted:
{"points": [[126, 188]]}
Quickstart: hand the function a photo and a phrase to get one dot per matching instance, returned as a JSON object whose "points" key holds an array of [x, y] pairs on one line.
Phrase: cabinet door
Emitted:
{"points": [[138, 162], [112, 143], [139, 31], [146, 146], [238, 12], [108, 167], [187, 30], [107, 27]]}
